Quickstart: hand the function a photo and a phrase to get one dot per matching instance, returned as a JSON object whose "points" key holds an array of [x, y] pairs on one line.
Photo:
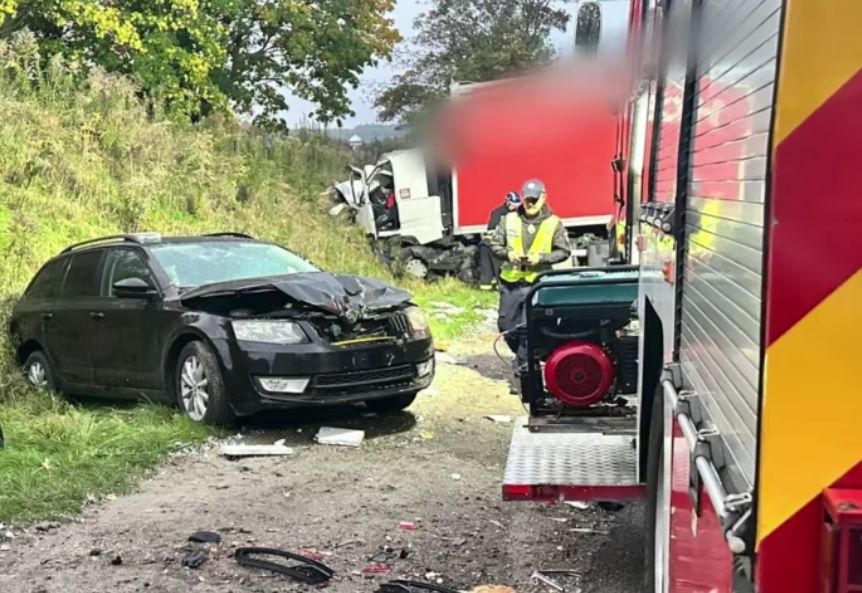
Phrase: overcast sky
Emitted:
{"points": [[614, 17]]}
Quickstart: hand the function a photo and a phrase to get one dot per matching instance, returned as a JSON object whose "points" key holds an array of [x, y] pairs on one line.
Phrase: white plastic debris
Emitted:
{"points": [[256, 450], [499, 419], [577, 504], [344, 437]]}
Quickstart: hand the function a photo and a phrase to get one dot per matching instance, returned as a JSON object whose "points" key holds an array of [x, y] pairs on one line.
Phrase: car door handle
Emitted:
{"points": [[97, 315], [47, 316]]}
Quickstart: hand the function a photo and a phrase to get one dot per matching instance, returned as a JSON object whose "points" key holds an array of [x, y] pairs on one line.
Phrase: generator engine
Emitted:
{"points": [[582, 335]]}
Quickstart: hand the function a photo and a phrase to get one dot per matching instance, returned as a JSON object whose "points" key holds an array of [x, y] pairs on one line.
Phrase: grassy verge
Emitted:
{"points": [[59, 455], [80, 159]]}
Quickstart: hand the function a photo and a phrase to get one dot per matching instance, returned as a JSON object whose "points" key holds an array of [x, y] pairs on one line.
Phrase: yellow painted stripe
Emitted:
{"points": [[822, 50], [363, 341], [811, 408]]}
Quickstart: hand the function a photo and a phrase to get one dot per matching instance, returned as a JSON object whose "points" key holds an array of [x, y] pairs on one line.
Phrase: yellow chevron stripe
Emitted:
{"points": [[822, 50], [811, 407]]}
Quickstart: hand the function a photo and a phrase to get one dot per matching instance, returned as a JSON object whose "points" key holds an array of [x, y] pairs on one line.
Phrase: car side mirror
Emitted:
{"points": [[133, 288]]}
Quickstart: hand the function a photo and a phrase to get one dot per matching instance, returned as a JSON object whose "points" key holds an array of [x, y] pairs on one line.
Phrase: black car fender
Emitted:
{"points": [[206, 332]]}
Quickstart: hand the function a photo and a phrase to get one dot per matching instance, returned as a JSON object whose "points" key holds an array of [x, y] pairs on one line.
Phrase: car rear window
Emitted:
{"points": [[190, 265], [47, 283], [82, 280]]}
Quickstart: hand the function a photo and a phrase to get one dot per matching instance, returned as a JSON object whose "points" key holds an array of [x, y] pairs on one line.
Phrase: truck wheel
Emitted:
{"points": [[200, 388], [391, 405], [657, 516], [416, 268]]}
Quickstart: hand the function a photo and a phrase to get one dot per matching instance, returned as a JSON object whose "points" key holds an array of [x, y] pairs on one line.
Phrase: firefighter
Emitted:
{"points": [[487, 263], [529, 240]]}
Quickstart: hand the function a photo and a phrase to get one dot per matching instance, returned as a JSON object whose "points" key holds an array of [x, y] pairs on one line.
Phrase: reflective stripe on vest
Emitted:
{"points": [[543, 244]]}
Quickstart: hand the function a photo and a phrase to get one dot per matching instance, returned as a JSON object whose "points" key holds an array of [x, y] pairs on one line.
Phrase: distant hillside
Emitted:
{"points": [[369, 132]]}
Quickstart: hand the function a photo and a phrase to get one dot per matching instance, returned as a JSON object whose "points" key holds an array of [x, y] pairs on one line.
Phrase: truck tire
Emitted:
{"points": [[654, 479]]}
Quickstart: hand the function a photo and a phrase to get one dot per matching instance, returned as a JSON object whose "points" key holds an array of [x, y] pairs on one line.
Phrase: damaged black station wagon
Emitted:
{"points": [[224, 325]]}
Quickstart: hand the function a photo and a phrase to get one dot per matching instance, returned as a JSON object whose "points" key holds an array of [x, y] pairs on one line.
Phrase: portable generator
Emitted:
{"points": [[582, 343]]}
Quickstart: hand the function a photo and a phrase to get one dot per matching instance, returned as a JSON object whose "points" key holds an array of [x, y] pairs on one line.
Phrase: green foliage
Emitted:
{"points": [[469, 41], [201, 56]]}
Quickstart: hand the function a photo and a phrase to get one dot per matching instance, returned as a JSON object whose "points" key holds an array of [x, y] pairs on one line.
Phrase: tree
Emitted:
{"points": [[470, 41], [196, 56]]}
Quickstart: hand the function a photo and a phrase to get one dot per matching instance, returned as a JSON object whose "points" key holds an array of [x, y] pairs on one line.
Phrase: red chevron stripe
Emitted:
{"points": [[816, 231]]}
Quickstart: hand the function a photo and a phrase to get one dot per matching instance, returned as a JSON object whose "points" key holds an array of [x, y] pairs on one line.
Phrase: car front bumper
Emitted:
{"points": [[335, 375]]}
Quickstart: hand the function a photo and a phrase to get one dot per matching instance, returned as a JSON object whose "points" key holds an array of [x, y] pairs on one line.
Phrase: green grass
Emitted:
{"points": [[86, 158], [58, 454]]}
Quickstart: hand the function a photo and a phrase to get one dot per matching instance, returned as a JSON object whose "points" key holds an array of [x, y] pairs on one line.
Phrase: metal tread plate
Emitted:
{"points": [[570, 459]]}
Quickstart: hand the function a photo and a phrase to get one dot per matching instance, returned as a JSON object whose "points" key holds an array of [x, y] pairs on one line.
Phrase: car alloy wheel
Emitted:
{"points": [[37, 375], [193, 388]]}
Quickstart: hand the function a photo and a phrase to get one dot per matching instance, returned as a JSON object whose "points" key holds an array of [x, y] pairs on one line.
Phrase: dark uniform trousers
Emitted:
{"points": [[512, 319]]}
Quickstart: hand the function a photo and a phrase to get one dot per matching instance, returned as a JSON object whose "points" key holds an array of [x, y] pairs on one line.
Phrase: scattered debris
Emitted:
{"points": [[304, 569], [116, 560], [455, 476], [400, 586], [446, 358], [546, 580], [499, 419], [194, 559], [349, 543], [205, 537], [492, 589], [611, 507], [43, 527], [344, 437], [5, 547], [588, 530], [408, 525], [577, 504], [255, 450], [312, 553], [377, 568], [280, 442], [496, 523], [95, 552]]}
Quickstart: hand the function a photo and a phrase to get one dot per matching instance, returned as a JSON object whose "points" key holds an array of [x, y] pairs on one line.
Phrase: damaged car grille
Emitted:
{"points": [[384, 377], [395, 326]]}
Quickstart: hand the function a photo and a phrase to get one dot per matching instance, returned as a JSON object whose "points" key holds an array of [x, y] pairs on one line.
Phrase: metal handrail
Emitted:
{"points": [[707, 471]]}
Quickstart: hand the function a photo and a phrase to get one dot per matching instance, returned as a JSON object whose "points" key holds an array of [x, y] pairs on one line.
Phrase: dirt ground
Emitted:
{"points": [[439, 466]]}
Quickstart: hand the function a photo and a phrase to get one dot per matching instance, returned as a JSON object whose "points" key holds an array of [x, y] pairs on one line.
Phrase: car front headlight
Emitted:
{"points": [[418, 321], [268, 331]]}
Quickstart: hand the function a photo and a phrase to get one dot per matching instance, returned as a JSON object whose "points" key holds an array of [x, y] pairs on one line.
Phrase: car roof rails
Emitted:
{"points": [[229, 234], [137, 238]]}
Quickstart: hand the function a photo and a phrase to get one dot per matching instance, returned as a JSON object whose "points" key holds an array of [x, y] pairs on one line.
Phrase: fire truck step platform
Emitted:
{"points": [[556, 465]]}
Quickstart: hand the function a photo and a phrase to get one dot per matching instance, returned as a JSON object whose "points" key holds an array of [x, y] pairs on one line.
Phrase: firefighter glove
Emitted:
{"points": [[534, 259], [514, 257]]}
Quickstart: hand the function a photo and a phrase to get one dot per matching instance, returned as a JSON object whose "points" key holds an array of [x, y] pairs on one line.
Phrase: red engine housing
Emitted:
{"points": [[579, 373]]}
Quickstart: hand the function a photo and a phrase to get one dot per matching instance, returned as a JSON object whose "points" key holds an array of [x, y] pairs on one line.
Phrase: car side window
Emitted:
{"points": [[82, 280], [121, 264], [48, 281]]}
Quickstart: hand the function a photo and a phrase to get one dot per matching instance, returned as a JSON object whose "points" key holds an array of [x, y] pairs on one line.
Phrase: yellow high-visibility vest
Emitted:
{"points": [[543, 244]]}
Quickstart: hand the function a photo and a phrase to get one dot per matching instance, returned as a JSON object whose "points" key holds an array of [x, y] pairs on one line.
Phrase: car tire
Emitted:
{"points": [[200, 388], [38, 371], [654, 477], [391, 405]]}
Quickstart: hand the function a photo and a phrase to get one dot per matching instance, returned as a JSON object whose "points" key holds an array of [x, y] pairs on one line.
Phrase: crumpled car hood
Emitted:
{"points": [[346, 296]]}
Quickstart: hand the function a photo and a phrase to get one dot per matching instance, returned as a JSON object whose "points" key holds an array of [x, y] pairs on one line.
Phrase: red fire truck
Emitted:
{"points": [[715, 379]]}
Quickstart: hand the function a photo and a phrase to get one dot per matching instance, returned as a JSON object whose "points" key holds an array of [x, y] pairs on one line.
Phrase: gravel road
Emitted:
{"points": [[438, 466]]}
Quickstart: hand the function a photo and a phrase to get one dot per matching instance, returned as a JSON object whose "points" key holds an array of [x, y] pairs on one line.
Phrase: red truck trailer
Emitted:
{"points": [[727, 396], [428, 208]]}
